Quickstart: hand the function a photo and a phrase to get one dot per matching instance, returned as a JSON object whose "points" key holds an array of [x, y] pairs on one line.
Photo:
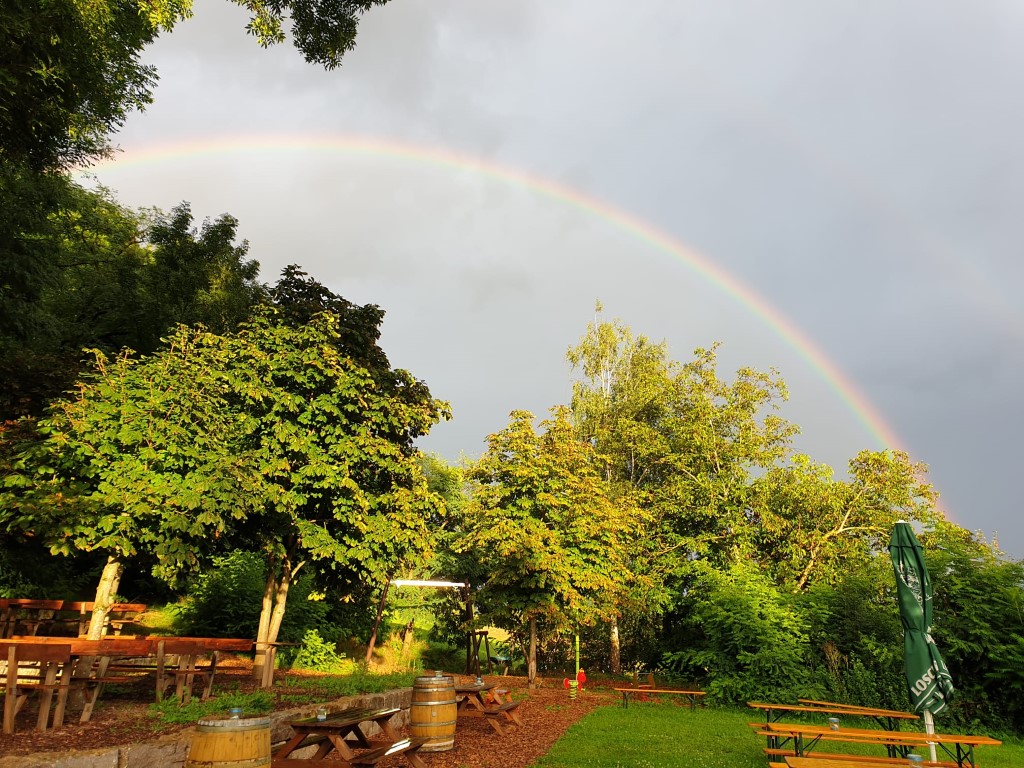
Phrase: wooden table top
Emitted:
{"points": [[871, 734], [835, 709], [474, 687]]}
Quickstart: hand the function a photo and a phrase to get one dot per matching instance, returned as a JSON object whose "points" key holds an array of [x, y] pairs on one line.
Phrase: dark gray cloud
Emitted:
{"points": [[856, 164]]}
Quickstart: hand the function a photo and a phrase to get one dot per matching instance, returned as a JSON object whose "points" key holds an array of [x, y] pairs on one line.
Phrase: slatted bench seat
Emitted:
{"points": [[407, 747], [23, 678], [899, 761]]}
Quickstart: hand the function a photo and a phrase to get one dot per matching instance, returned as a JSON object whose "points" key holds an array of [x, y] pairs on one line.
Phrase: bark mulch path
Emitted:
{"points": [[546, 712]]}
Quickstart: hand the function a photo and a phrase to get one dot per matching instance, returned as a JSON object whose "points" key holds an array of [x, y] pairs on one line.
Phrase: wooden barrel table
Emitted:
{"points": [[433, 712], [236, 742]]}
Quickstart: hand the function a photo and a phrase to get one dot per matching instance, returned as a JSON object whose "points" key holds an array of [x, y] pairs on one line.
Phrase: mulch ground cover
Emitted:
{"points": [[123, 718]]}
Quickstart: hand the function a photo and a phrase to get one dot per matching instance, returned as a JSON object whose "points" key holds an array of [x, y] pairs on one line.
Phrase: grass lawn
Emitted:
{"points": [[655, 735]]}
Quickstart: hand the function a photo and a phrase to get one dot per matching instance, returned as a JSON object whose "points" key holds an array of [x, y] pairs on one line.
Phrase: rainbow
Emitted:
{"points": [[701, 265]]}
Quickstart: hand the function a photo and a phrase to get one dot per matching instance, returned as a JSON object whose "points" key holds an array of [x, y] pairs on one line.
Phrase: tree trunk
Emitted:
{"points": [[266, 608], [376, 623], [110, 580], [531, 674], [275, 599], [407, 638], [615, 652]]}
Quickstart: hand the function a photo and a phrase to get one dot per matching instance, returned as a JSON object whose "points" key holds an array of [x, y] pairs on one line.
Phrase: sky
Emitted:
{"points": [[829, 189]]}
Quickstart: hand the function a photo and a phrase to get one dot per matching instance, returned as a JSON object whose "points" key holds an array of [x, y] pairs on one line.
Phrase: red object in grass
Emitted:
{"points": [[565, 683], [581, 678]]}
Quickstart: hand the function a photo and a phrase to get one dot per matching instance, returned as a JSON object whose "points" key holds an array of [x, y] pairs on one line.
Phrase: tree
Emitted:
{"points": [[809, 527], [267, 439], [681, 446], [541, 518], [105, 277]]}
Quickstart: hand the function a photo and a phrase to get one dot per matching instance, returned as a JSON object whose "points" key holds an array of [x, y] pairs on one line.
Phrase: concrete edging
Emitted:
{"points": [[172, 751]]}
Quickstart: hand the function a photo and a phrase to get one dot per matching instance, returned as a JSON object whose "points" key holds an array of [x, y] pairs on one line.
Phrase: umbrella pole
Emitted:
{"points": [[929, 728]]}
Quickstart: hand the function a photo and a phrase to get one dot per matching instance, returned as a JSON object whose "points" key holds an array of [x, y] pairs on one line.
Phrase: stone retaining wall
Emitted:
{"points": [[171, 751]]}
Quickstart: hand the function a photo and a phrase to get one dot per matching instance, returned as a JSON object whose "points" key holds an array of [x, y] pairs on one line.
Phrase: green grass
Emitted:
{"points": [[325, 687], [169, 711], [666, 735]]}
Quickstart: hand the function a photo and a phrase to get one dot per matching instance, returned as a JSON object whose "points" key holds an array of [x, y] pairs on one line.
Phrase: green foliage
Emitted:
{"points": [[170, 711], [542, 521], [263, 436], [71, 73], [978, 614], [224, 601], [336, 686], [90, 273], [749, 641], [808, 527], [28, 570], [320, 656]]}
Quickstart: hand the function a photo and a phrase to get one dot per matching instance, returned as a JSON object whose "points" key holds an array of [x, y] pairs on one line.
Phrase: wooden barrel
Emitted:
{"points": [[222, 742], [432, 714]]}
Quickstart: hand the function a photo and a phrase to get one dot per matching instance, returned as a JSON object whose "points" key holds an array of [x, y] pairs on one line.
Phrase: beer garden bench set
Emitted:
{"points": [[794, 745], [51, 667]]}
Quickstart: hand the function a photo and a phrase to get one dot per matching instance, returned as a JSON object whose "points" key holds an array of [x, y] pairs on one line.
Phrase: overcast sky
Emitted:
{"points": [[857, 165]]}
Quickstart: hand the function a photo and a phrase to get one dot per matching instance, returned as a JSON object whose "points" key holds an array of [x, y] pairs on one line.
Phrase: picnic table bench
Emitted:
{"points": [[31, 668], [849, 761], [804, 737], [343, 732], [498, 710], [692, 696]]}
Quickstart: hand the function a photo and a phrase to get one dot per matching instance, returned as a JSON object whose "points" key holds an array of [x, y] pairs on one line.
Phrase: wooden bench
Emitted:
{"points": [[692, 696], [29, 616], [899, 761], [407, 747], [22, 680], [497, 712]]}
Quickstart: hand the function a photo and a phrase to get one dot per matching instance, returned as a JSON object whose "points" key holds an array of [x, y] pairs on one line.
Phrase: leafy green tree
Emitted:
{"points": [[680, 446], [541, 518], [108, 278], [267, 439], [979, 625], [810, 527]]}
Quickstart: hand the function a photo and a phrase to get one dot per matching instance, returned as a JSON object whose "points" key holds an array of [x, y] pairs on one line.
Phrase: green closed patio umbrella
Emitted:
{"points": [[928, 680]]}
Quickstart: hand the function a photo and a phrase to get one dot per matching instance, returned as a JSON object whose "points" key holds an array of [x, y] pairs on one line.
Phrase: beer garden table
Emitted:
{"points": [[805, 737], [334, 733], [473, 703]]}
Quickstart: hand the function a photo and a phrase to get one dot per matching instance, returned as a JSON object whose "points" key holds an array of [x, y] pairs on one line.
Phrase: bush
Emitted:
{"points": [[225, 601], [750, 642], [318, 655]]}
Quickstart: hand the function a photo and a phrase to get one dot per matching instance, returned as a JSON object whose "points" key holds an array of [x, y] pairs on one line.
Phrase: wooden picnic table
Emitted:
{"points": [[343, 732], [889, 719], [805, 737], [176, 661], [488, 701], [693, 696]]}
